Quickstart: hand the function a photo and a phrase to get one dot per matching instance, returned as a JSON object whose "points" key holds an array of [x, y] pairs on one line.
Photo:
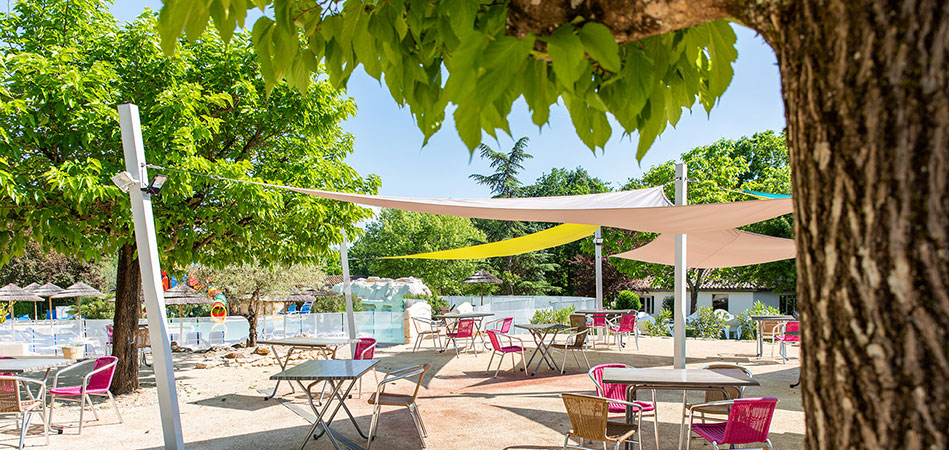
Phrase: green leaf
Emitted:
{"points": [[599, 42], [566, 54]]}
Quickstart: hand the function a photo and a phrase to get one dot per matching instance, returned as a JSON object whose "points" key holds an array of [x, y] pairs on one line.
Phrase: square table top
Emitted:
{"points": [[674, 378], [541, 326], [471, 315], [20, 365], [308, 342], [327, 369], [772, 317], [605, 311]]}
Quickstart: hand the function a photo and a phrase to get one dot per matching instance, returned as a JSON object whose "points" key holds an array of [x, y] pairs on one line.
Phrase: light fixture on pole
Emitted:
{"points": [[154, 187], [124, 181]]}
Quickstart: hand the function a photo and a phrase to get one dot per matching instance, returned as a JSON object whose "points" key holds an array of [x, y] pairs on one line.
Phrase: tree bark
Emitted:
{"points": [[253, 311], [866, 92], [694, 288], [128, 286]]}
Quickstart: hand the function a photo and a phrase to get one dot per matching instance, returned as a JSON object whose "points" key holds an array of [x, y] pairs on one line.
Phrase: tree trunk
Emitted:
{"points": [[128, 286], [866, 92], [253, 310], [694, 287]]}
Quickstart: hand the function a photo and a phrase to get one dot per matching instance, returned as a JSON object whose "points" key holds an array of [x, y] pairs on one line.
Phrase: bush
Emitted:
{"points": [[627, 300], [749, 328], [549, 315], [657, 327], [96, 309], [669, 303], [707, 324]]}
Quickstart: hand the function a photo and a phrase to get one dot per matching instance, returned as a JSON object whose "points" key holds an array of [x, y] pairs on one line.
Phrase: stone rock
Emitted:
{"points": [[207, 364], [262, 351], [238, 345], [234, 355]]}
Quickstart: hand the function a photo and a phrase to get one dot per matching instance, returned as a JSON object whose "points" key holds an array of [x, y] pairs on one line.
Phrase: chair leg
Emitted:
{"points": [[82, 409], [636, 337], [92, 407], [417, 426], [116, 406], [500, 362], [489, 364], [373, 424], [52, 402], [26, 426], [566, 440], [455, 343], [419, 415]]}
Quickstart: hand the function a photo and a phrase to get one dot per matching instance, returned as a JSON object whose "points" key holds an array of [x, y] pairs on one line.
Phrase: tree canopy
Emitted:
{"points": [[642, 81], [204, 110], [396, 233]]}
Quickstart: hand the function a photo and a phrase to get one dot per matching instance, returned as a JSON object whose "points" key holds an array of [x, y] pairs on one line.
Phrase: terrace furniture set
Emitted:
{"points": [[28, 396]]}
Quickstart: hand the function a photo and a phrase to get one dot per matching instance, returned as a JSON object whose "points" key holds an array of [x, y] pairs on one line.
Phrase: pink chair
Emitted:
{"points": [[497, 347], [780, 335], [365, 349], [618, 392], [502, 326], [464, 330], [96, 382], [749, 420], [598, 324], [627, 326]]}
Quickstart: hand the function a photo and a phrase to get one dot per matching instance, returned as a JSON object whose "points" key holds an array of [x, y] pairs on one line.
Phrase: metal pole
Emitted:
{"points": [[680, 246], [151, 276], [347, 288], [598, 245]]}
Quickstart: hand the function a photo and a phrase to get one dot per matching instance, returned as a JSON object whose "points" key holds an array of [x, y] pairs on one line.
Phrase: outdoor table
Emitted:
{"points": [[760, 318], [674, 380], [336, 372], [326, 347], [478, 318], [540, 331]]}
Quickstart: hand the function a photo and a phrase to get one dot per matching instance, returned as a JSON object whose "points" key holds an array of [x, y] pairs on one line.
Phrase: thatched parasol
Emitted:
{"points": [[182, 295], [482, 277], [30, 288], [13, 293], [77, 291], [48, 290]]}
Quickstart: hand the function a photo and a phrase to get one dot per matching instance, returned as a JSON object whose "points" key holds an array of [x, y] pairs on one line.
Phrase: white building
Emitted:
{"points": [[732, 297]]}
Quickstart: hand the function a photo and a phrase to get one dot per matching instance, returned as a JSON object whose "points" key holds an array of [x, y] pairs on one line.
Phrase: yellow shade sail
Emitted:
{"points": [[551, 237]]}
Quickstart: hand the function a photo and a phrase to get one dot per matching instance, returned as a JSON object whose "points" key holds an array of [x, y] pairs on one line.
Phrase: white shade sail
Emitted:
{"points": [[716, 249], [640, 210]]}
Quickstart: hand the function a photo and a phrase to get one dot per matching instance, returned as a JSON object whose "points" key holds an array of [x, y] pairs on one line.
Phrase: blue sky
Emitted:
{"points": [[389, 145]]}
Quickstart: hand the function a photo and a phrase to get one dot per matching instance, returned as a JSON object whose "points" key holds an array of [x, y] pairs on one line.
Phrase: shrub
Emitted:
{"points": [[657, 327], [96, 309], [669, 303], [627, 300], [549, 315], [707, 324], [749, 328]]}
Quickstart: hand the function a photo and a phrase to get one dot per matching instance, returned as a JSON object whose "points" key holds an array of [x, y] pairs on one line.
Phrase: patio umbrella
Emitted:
{"points": [[47, 290], [13, 293], [182, 295], [30, 288], [78, 290], [482, 277]]}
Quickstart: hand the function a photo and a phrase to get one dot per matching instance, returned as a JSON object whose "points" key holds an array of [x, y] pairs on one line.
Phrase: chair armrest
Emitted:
{"points": [[68, 368], [40, 386], [637, 406], [690, 407], [397, 375], [363, 354], [512, 338]]}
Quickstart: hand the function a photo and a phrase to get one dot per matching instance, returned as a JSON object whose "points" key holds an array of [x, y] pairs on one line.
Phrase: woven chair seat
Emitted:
{"points": [[75, 391], [12, 407], [615, 431], [714, 432], [387, 399]]}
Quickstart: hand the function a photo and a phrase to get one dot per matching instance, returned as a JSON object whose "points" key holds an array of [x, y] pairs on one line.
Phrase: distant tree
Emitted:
{"points": [[717, 173], [248, 283], [206, 109], [582, 270], [503, 182], [396, 233]]}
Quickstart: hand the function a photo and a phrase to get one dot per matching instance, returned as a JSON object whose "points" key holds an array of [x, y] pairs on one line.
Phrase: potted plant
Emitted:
{"points": [[73, 351]]}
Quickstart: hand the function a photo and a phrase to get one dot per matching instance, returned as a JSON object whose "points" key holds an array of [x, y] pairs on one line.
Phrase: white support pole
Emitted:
{"points": [[598, 245], [681, 172], [151, 276], [347, 288]]}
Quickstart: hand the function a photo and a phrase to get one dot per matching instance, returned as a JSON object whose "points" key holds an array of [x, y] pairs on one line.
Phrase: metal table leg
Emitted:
{"points": [[283, 366], [335, 438]]}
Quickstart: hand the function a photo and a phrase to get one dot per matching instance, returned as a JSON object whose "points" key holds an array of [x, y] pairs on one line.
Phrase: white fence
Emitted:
{"points": [[45, 338], [521, 308]]}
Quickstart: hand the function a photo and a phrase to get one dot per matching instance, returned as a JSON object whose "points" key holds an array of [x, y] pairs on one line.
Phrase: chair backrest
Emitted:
{"points": [[578, 323], [599, 320], [715, 395], [792, 326], [608, 390], [362, 345], [291, 308], [465, 328], [6, 374], [627, 322], [9, 394], [768, 326], [108, 330], [142, 338], [495, 341], [506, 325], [305, 309], [587, 415], [102, 380], [418, 370], [749, 420]]}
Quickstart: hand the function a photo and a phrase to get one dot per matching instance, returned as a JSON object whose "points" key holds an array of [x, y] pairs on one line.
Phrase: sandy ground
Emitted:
{"points": [[222, 408]]}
